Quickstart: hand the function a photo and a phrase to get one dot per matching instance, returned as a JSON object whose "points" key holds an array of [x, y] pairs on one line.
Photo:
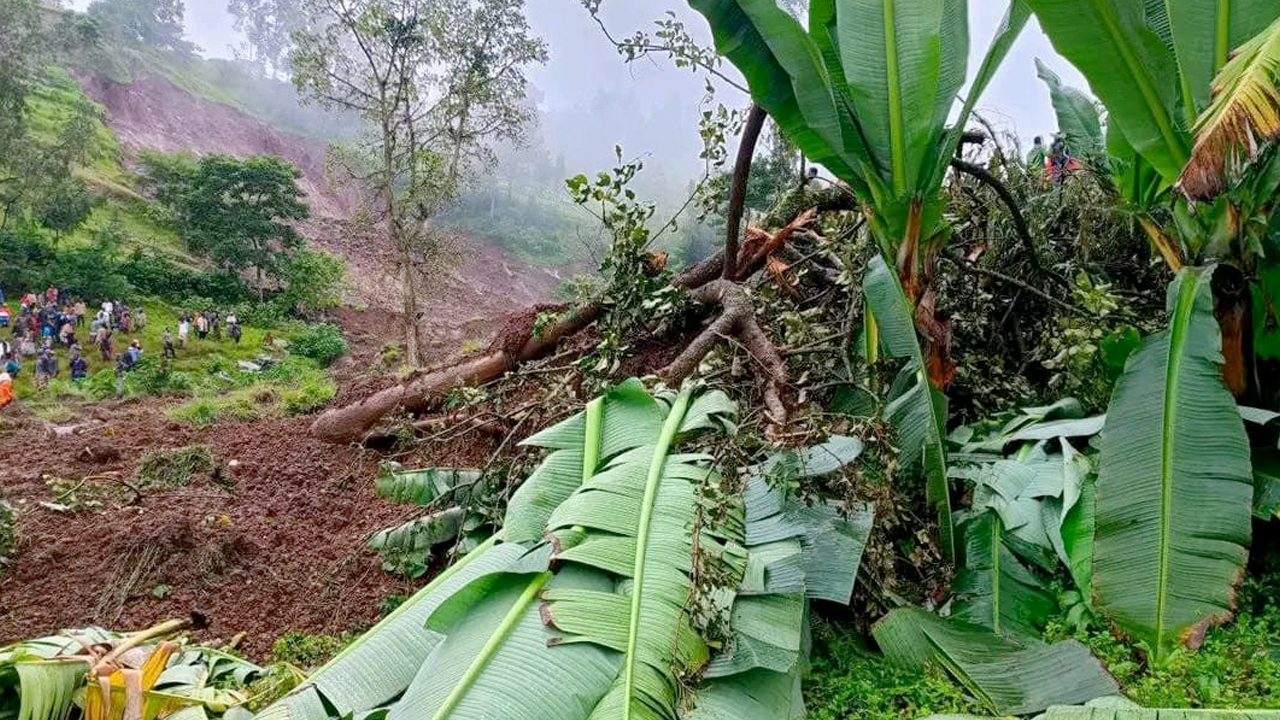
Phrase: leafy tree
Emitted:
{"points": [[155, 23], [315, 278], [64, 206], [438, 83], [268, 27], [235, 212]]}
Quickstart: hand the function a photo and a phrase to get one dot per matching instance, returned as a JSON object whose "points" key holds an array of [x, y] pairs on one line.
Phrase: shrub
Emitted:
{"points": [[154, 377], [306, 650], [310, 395], [201, 411], [175, 468], [322, 343]]}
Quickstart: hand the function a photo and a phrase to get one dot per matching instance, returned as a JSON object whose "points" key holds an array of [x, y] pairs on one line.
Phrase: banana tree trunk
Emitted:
{"points": [[1233, 308]]}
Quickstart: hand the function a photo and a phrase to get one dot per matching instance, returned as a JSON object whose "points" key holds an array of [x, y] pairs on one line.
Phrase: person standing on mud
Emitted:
{"points": [[105, 343], [79, 366], [46, 368]]}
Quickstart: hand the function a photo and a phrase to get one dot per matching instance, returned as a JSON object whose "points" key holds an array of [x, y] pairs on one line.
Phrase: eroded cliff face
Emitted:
{"points": [[467, 298]]}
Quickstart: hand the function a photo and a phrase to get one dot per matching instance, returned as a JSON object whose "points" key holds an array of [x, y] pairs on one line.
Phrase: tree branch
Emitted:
{"points": [[738, 189], [1019, 222]]}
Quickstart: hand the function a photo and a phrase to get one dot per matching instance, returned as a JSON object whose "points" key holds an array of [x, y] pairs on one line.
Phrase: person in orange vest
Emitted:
{"points": [[6, 389]]}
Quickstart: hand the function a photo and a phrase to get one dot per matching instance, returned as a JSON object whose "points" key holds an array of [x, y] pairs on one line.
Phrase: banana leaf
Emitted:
{"points": [[1012, 676], [993, 589], [1203, 34], [1129, 67], [48, 688], [1079, 121], [423, 487], [919, 411], [1175, 485]]}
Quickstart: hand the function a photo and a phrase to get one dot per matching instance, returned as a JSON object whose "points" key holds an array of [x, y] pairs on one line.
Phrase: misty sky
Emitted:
{"points": [[594, 99]]}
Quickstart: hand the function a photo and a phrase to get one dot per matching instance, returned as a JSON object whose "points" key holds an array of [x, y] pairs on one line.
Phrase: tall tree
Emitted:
{"points": [[236, 212], [157, 23], [438, 84], [268, 27]]}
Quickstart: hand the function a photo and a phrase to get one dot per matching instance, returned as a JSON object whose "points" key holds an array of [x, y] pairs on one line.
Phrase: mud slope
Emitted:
{"points": [[465, 301]]}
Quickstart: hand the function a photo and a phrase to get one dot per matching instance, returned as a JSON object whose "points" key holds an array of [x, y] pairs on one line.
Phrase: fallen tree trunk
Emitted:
{"points": [[350, 423]]}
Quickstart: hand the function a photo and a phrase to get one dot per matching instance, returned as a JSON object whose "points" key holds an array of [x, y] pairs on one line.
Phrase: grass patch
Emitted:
{"points": [[848, 680], [1238, 666], [168, 469], [306, 650], [294, 386], [8, 534]]}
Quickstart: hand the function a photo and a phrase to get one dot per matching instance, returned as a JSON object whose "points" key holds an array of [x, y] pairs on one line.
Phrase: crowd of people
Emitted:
{"points": [[57, 319]]}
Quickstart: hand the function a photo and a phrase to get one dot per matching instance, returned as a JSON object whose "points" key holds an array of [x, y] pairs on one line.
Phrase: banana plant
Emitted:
{"points": [[113, 676], [1175, 483], [1171, 124], [1175, 486], [868, 90], [628, 581]]}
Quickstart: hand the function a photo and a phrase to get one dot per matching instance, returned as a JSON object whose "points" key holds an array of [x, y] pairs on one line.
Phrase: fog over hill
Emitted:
{"points": [[592, 100]]}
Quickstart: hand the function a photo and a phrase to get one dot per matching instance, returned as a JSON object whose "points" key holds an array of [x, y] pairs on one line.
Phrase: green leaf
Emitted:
{"points": [[767, 633], [832, 541], [420, 535], [993, 589], [1078, 529], [643, 500], [48, 688], [498, 659], [1011, 676], [423, 487], [381, 664], [756, 695], [627, 418], [1266, 483], [1078, 118], [1175, 487], [919, 411], [1204, 33], [904, 62], [785, 72], [1129, 68], [1015, 20]]}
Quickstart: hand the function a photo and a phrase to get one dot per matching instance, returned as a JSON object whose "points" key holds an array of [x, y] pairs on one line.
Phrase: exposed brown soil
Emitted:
{"points": [[463, 301], [280, 546]]}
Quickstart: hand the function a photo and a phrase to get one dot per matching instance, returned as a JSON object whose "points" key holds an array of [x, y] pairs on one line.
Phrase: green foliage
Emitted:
{"points": [[154, 23], [309, 395], [1175, 486], [8, 534], [176, 468], [306, 650], [636, 296], [235, 212], [1237, 667], [322, 343], [847, 679], [315, 279]]}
